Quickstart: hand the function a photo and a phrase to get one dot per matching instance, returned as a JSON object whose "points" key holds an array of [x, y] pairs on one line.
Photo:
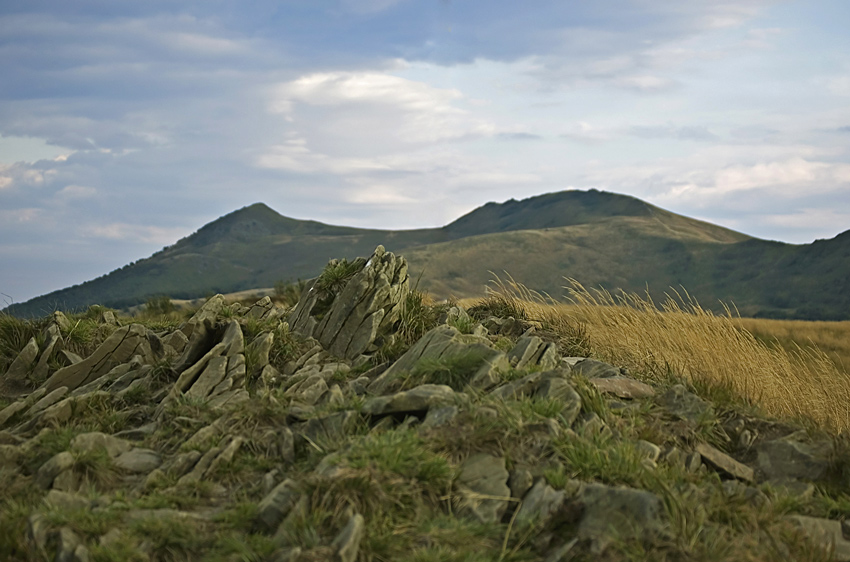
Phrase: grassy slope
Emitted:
{"points": [[598, 238]]}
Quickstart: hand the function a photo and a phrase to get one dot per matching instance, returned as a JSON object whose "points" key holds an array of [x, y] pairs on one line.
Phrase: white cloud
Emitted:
{"points": [[134, 232], [77, 192]]}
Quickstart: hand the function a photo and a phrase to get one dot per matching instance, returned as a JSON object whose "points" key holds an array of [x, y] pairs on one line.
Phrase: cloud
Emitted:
{"points": [[696, 133], [518, 136], [135, 232]]}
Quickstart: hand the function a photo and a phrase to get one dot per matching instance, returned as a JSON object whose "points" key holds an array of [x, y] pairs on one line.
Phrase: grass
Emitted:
{"points": [[679, 339]]}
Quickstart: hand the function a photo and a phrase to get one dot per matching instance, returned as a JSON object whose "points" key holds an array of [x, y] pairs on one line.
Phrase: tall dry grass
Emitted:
{"points": [[679, 338]]}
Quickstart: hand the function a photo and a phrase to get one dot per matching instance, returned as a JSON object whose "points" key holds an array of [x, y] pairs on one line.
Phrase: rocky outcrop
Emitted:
{"points": [[365, 309], [316, 447]]}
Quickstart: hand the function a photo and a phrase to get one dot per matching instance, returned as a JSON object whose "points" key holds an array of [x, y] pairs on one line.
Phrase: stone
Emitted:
{"points": [[228, 452], [69, 357], [184, 462], [520, 482], [440, 345], [138, 461], [276, 505], [723, 462], [233, 339], [617, 513], [310, 390], [791, 487], [260, 309], [790, 457], [622, 387], [440, 416], [123, 344], [176, 340], [346, 545], [593, 369], [541, 503], [12, 410], [23, 363], [58, 413], [531, 351], [685, 405], [826, 533], [420, 399], [482, 484], [61, 321], [333, 427], [648, 450], [54, 344], [66, 501], [69, 547], [210, 377], [366, 308], [90, 442], [50, 399], [57, 464], [259, 348]]}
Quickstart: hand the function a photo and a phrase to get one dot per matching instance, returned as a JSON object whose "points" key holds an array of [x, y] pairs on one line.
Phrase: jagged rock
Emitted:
{"points": [[443, 344], [233, 339], [89, 442], [309, 391], [61, 321], [520, 482], [593, 369], [53, 345], [622, 387], [648, 450], [723, 462], [200, 331], [420, 399], [108, 317], [328, 428], [177, 340], [57, 464], [483, 478], [276, 505], [69, 357], [118, 348], [440, 416], [366, 308], [23, 363], [259, 348], [189, 376], [685, 405], [69, 547], [210, 377], [13, 409], [541, 503], [531, 351], [827, 534], [791, 487], [260, 309], [617, 513], [65, 500], [50, 399], [346, 545], [790, 457], [184, 462], [140, 461]]}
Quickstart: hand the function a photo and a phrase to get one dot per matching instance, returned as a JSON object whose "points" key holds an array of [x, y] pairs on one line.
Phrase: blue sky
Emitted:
{"points": [[125, 126]]}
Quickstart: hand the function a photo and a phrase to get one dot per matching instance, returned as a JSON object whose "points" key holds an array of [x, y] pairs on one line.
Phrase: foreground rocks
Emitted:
{"points": [[292, 433]]}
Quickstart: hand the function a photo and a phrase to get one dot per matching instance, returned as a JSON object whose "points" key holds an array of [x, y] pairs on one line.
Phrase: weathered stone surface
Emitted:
{"points": [[346, 545], [118, 348], [541, 503], [364, 309], [89, 442], [276, 505], [23, 363], [440, 416], [550, 385], [531, 351], [723, 462], [177, 340], [259, 348], [593, 369], [442, 344], [210, 377], [65, 500], [61, 321], [57, 464], [69, 547], [791, 457], [261, 308], [310, 390], [233, 339], [140, 461], [617, 513], [684, 404], [54, 344], [623, 387], [520, 482], [826, 533], [419, 399], [328, 428], [483, 486], [50, 399], [12, 410]]}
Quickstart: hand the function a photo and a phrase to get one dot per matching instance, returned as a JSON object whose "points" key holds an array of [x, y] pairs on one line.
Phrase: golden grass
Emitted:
{"points": [[681, 339]]}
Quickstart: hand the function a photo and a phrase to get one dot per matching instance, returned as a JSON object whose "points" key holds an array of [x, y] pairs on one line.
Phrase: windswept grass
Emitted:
{"points": [[678, 338]]}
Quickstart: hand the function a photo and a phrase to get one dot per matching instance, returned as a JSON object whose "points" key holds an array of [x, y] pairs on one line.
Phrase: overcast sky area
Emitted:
{"points": [[126, 125]]}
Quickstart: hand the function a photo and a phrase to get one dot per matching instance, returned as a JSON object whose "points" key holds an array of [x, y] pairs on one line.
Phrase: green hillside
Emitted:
{"points": [[598, 238]]}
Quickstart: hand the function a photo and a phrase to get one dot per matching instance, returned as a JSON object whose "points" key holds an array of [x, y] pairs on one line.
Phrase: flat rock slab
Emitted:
{"points": [[790, 458], [826, 533], [618, 513], [622, 387], [139, 461], [593, 369], [685, 405], [483, 484], [420, 399], [723, 462]]}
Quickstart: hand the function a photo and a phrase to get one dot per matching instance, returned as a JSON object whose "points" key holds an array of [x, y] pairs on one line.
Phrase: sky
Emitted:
{"points": [[127, 125]]}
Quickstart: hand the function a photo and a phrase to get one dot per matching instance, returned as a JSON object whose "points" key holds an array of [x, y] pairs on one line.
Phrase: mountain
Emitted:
{"points": [[598, 238]]}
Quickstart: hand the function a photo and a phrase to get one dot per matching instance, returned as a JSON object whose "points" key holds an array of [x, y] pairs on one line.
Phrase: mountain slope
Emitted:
{"points": [[599, 238]]}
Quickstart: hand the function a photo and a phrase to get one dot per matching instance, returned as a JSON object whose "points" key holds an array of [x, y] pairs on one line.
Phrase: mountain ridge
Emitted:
{"points": [[600, 238]]}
